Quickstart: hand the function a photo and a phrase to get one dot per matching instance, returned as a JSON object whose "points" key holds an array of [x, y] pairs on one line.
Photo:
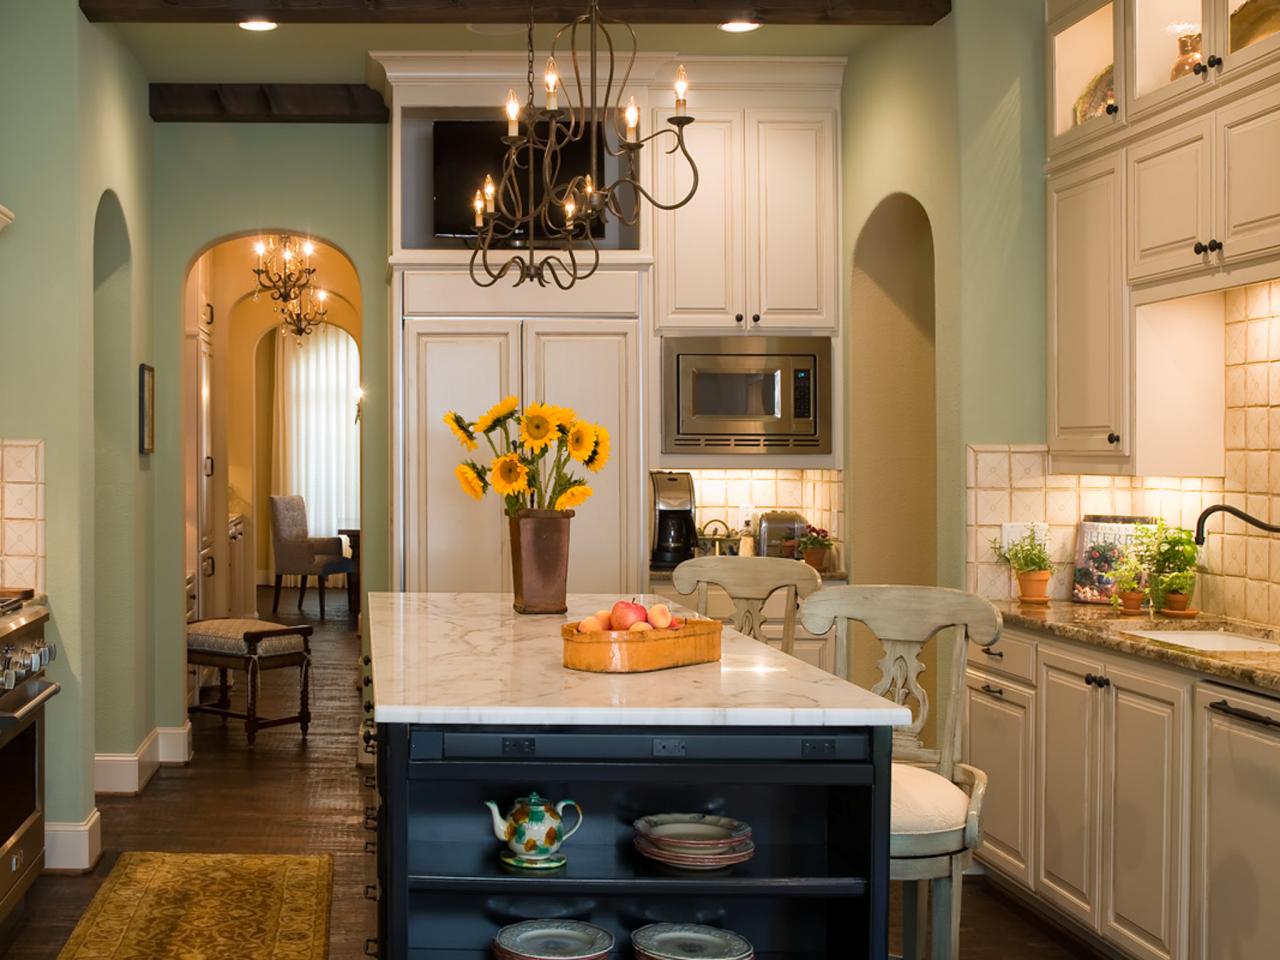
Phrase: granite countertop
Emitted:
{"points": [[470, 658], [833, 576], [1103, 626]]}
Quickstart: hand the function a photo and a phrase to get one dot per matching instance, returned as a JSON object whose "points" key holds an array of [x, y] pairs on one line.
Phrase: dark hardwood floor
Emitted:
{"points": [[290, 796]]}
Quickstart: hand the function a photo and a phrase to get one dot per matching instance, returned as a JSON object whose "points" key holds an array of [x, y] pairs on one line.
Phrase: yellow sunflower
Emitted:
{"points": [[471, 479], [575, 496], [508, 475], [538, 426], [564, 417], [460, 429], [600, 455], [582, 440], [496, 413]]}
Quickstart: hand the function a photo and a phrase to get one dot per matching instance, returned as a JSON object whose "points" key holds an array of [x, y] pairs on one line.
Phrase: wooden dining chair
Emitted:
{"points": [[749, 582], [936, 801]]}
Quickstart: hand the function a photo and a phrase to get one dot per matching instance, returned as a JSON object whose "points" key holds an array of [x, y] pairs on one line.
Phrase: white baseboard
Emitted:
{"points": [[127, 773], [175, 743], [73, 846]]}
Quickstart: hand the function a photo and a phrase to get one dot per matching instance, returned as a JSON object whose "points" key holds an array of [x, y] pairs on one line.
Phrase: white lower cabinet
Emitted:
{"points": [[999, 724], [1236, 844]]}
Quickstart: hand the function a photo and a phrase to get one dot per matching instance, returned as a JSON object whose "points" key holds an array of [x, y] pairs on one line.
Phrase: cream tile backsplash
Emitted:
{"points": [[22, 547], [736, 495]]}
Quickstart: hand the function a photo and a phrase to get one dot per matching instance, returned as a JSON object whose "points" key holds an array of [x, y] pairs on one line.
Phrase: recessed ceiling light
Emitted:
{"points": [[258, 26], [740, 26]]}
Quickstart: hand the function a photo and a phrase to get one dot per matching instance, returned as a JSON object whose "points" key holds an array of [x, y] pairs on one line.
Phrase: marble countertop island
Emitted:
{"points": [[470, 658]]}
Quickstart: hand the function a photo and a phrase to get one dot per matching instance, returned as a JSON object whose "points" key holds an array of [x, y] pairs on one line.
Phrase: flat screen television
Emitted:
{"points": [[463, 151]]}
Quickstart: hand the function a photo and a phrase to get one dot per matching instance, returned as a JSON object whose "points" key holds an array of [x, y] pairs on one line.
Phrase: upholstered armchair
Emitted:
{"points": [[298, 554]]}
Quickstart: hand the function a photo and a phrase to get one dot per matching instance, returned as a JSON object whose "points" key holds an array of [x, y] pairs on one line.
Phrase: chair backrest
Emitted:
{"points": [[288, 519], [749, 581], [904, 618]]}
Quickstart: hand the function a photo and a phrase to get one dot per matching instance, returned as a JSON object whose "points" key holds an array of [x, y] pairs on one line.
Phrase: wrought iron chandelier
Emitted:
{"points": [[304, 314], [554, 230], [284, 267]]}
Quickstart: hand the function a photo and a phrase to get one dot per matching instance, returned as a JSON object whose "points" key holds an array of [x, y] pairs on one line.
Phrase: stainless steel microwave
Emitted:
{"points": [[746, 394]]}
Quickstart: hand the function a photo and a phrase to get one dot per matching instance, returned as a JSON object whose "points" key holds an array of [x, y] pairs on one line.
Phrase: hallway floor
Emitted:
{"points": [[287, 796]]}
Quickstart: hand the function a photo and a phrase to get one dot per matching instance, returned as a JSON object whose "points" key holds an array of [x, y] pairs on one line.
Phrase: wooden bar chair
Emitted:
{"points": [[252, 646], [934, 822], [749, 582]]}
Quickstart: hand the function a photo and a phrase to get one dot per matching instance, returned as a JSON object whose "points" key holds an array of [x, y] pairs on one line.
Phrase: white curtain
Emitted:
{"points": [[316, 451]]}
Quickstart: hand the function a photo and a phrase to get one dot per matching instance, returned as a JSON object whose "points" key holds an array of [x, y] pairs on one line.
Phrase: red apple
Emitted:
{"points": [[639, 627], [625, 613], [660, 616]]}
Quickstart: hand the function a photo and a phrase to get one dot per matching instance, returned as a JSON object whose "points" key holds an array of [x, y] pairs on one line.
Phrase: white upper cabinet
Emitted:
{"points": [[1248, 198], [1248, 33], [1085, 87], [1171, 200], [1170, 44]]}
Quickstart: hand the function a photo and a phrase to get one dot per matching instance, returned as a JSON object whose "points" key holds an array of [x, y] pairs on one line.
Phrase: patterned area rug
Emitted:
{"points": [[208, 906]]}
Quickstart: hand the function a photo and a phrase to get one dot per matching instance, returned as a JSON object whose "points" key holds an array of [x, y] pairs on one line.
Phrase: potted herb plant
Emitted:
{"points": [[814, 546], [1028, 557], [1128, 581], [1169, 555]]}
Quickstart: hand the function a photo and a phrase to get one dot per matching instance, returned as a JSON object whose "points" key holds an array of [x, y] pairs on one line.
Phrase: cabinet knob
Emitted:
{"points": [[1199, 69], [1215, 246], [994, 691], [755, 318], [1214, 60], [1113, 109], [738, 318], [1090, 679], [1200, 248], [1102, 682], [1113, 438]]}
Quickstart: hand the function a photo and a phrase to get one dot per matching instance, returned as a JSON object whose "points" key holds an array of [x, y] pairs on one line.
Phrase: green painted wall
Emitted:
{"points": [[217, 180]]}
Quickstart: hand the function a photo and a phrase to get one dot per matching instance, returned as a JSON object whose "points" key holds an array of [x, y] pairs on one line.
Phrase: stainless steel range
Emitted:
{"points": [[24, 691]]}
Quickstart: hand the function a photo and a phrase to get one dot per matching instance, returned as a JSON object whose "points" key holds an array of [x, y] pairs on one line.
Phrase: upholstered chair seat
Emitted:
{"points": [[299, 554], [927, 815]]}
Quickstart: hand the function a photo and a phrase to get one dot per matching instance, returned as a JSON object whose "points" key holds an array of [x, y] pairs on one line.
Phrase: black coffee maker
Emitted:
{"points": [[674, 534]]}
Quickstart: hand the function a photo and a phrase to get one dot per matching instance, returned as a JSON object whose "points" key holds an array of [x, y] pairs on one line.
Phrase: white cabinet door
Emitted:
{"points": [[1236, 872], [701, 281], [1088, 340], [204, 465], [453, 543], [1170, 200], [1248, 208], [1144, 818], [1067, 788], [999, 725], [593, 367], [792, 206]]}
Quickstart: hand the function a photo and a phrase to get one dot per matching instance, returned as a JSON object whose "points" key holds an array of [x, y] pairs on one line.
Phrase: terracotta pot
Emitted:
{"points": [[1175, 601], [540, 560], [1131, 600], [1033, 585], [816, 557]]}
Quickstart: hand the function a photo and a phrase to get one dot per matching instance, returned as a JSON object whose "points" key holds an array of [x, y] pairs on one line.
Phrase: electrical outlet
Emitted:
{"points": [[817, 748], [518, 746], [668, 747]]}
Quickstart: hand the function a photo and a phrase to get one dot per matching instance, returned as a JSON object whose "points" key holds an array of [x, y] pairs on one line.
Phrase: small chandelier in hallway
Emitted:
{"points": [[284, 267], [304, 314]]}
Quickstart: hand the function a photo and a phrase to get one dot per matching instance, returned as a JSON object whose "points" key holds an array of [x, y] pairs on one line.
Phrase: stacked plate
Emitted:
{"points": [[552, 940], [694, 841], [689, 941]]}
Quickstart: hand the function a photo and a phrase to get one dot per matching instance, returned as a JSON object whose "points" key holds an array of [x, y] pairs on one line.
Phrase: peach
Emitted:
{"points": [[676, 623], [592, 624], [660, 616], [604, 616], [639, 626]]}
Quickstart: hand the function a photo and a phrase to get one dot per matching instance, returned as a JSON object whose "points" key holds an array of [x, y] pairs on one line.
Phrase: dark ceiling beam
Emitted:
{"points": [[266, 103], [819, 12]]}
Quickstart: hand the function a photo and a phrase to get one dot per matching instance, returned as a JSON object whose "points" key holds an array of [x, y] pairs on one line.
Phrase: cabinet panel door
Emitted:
{"points": [[701, 279], [1170, 193], [792, 255], [1067, 788], [204, 465], [1144, 811], [593, 367], [1249, 188], [999, 729], [453, 543], [1088, 337], [1237, 845]]}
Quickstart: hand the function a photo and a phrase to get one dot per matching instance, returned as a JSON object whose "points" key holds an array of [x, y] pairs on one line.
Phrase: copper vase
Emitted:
{"points": [[540, 560], [1189, 54]]}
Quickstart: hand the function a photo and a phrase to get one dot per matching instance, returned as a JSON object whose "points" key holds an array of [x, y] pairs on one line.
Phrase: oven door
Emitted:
{"points": [[22, 790]]}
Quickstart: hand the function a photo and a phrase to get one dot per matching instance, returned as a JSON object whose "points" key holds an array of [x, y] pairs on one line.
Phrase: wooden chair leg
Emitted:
{"points": [[946, 913], [275, 601], [302, 591], [321, 580], [224, 695], [304, 706], [251, 709], [915, 918]]}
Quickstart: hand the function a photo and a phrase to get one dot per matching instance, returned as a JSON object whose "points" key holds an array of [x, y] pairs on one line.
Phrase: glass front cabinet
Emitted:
{"points": [[1085, 85]]}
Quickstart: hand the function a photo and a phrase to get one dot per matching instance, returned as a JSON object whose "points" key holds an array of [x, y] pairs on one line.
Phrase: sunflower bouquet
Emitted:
{"points": [[533, 453]]}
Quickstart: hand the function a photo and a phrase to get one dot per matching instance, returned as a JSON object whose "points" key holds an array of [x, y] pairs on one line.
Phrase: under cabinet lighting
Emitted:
{"points": [[740, 26], [258, 26]]}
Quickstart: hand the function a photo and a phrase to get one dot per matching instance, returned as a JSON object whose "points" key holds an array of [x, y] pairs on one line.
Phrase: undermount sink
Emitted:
{"points": [[1209, 640]]}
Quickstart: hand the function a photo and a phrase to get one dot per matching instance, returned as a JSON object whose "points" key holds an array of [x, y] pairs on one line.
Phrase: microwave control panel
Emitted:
{"points": [[802, 394]]}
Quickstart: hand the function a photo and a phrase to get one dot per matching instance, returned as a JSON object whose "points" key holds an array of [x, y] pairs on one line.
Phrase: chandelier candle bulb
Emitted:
{"points": [[552, 78], [632, 117], [478, 205], [490, 193], [513, 114], [682, 91], [570, 208]]}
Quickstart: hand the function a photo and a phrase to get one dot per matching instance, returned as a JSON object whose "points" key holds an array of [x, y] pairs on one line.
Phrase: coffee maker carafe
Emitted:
{"points": [[674, 533]]}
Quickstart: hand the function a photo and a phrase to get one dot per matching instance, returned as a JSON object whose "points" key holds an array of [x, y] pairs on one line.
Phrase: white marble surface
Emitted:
{"points": [[470, 658]]}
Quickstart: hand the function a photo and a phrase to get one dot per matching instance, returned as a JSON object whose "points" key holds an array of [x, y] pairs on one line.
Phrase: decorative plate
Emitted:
{"points": [[554, 940], [697, 861], [703, 832], [690, 941]]}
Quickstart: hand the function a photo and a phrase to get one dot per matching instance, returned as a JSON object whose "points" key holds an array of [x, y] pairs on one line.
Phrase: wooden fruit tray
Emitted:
{"points": [[621, 651]]}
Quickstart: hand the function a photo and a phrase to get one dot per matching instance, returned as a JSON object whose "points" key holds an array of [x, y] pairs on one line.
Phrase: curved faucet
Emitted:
{"points": [[1235, 512]]}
